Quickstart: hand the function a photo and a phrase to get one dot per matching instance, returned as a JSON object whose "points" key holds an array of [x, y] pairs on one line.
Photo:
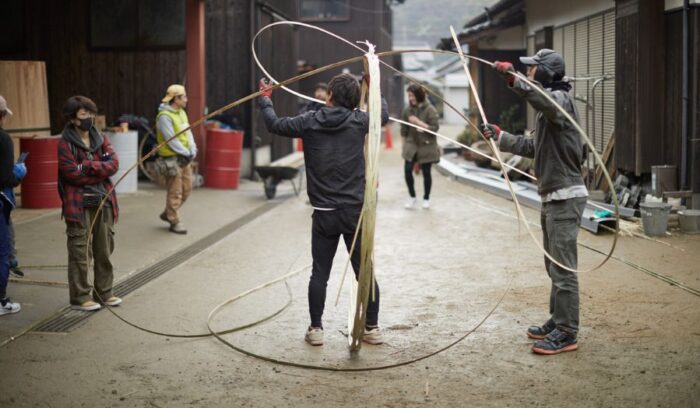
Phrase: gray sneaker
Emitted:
{"points": [[373, 336], [314, 336], [178, 228]]}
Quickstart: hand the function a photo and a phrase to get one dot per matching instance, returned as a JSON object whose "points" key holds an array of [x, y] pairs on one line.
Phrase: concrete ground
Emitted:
{"points": [[442, 271]]}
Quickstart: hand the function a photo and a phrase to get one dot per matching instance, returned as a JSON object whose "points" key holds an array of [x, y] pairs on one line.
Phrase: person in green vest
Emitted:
{"points": [[175, 156]]}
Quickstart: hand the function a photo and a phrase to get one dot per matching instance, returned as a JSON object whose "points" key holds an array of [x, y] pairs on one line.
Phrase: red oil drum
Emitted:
{"points": [[40, 186], [223, 167]]}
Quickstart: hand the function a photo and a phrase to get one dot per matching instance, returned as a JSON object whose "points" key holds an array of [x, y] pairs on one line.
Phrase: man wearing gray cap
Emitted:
{"points": [[11, 174], [558, 153]]}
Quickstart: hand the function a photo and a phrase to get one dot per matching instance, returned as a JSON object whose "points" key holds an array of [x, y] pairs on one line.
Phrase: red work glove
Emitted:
{"points": [[491, 131], [505, 68], [265, 88]]}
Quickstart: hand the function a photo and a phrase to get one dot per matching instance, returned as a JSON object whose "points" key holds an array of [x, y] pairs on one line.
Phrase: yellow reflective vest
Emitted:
{"points": [[180, 121]]}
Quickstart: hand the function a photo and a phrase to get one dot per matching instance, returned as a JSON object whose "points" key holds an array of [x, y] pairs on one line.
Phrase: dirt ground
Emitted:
{"points": [[442, 271]]}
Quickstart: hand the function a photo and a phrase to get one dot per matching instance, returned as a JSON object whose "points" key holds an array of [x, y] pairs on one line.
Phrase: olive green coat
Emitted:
{"points": [[420, 146]]}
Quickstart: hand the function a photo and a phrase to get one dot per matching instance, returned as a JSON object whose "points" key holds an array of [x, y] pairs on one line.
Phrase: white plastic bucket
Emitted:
{"points": [[126, 146]]}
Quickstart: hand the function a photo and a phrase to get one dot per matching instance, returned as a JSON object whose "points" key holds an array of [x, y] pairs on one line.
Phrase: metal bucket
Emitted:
{"points": [[655, 218], [663, 178], [689, 221]]}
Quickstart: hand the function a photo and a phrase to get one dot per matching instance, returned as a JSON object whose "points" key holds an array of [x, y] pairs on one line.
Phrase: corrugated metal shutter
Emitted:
{"points": [[595, 68], [580, 70], [530, 112], [570, 49], [608, 91], [558, 40]]}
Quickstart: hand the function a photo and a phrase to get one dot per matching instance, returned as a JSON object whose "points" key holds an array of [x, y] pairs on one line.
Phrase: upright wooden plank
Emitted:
{"points": [[626, 89]]}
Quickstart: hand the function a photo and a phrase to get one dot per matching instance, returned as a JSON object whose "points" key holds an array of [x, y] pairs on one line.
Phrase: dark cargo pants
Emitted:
{"points": [[102, 246], [560, 221]]}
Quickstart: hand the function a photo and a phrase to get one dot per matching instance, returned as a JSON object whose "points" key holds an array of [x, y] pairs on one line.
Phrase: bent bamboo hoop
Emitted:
{"points": [[282, 84]]}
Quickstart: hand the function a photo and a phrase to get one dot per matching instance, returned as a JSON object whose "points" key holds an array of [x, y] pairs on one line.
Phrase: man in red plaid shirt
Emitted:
{"points": [[86, 160]]}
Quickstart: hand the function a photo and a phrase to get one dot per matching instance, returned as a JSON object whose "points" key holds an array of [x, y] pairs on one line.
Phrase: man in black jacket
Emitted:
{"points": [[558, 152], [334, 140], [11, 174]]}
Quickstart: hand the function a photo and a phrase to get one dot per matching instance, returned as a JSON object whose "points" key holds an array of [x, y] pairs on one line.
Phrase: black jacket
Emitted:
{"points": [[334, 141], [7, 164], [7, 161]]}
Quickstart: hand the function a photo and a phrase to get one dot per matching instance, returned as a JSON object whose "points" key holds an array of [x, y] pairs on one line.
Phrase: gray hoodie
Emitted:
{"points": [[165, 125]]}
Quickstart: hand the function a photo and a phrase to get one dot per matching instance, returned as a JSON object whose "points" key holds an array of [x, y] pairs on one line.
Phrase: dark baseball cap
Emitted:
{"points": [[549, 58]]}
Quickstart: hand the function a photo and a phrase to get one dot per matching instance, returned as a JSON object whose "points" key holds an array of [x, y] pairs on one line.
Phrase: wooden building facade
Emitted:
{"points": [[650, 89], [355, 20], [637, 45]]}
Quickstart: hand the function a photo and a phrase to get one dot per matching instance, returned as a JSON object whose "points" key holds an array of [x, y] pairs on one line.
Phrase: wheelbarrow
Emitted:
{"points": [[290, 167]]}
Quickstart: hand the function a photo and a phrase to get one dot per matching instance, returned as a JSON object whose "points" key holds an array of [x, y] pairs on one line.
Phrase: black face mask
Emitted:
{"points": [[85, 124], [542, 76]]}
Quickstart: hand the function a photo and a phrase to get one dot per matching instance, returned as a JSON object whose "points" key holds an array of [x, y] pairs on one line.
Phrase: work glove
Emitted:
{"points": [[265, 88], [505, 68], [19, 170], [184, 160], [491, 131]]}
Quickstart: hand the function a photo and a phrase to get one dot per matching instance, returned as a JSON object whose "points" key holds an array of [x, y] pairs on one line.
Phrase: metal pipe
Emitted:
{"points": [[684, 109], [253, 80]]}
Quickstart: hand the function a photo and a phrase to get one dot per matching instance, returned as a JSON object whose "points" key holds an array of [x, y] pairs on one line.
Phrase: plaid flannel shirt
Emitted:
{"points": [[76, 172]]}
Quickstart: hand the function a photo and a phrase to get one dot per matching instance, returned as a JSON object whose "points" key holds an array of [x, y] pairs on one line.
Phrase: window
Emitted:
{"points": [[315, 10], [133, 24]]}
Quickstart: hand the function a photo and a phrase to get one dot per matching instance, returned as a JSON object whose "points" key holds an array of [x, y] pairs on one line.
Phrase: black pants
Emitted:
{"points": [[327, 227], [427, 178]]}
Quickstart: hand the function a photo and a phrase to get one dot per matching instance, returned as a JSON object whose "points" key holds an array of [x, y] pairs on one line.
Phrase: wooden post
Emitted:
{"points": [[195, 55]]}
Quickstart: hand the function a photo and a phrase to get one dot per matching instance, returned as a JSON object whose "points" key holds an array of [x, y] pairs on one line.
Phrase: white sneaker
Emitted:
{"points": [[178, 228], [426, 204], [314, 336], [373, 336], [9, 307], [411, 203], [87, 306], [113, 301]]}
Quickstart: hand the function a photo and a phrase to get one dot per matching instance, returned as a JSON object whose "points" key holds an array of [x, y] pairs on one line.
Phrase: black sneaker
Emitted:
{"points": [[539, 332], [555, 342], [15, 270]]}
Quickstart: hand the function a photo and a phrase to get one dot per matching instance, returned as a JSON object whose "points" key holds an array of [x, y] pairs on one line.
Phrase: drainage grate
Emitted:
{"points": [[68, 319]]}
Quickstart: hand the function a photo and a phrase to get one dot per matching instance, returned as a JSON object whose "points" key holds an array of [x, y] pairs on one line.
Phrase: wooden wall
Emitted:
{"points": [[673, 97], [626, 49], [231, 72], [694, 148], [118, 81], [278, 53], [228, 56], [639, 79], [369, 20]]}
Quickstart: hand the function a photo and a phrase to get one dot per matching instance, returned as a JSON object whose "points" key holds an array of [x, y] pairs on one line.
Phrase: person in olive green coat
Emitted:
{"points": [[419, 147]]}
